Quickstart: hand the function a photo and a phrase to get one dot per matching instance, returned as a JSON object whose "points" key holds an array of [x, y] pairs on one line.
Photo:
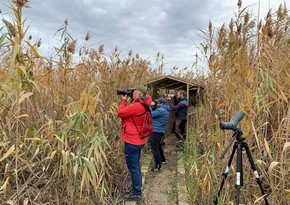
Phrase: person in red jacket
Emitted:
{"points": [[131, 137]]}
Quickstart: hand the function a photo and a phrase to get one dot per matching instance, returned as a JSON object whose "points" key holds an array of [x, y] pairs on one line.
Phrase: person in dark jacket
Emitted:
{"points": [[159, 117], [130, 113], [180, 110]]}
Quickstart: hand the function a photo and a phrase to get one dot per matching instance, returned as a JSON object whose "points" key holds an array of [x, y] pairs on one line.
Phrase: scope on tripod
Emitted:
{"points": [[233, 124], [238, 147]]}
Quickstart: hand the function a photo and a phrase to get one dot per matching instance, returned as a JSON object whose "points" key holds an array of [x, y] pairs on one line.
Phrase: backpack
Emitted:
{"points": [[146, 128]]}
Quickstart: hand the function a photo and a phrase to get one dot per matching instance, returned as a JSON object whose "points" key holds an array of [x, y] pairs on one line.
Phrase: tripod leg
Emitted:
{"points": [[253, 166], [239, 174], [225, 174]]}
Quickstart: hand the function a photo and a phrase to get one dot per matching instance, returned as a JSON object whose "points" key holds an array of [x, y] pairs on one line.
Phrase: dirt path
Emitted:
{"points": [[160, 187]]}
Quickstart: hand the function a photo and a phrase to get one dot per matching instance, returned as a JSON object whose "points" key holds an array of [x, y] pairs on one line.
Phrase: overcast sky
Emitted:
{"points": [[170, 27]]}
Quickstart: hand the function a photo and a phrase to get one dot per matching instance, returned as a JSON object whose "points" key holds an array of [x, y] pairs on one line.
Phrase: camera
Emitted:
{"points": [[168, 95], [128, 92]]}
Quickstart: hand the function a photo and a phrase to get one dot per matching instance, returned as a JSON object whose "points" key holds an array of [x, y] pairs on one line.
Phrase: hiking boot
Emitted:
{"points": [[132, 197], [155, 169], [179, 136], [129, 190]]}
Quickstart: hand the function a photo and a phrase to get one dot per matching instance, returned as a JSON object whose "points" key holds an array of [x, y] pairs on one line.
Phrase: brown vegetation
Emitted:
{"points": [[249, 70], [59, 139]]}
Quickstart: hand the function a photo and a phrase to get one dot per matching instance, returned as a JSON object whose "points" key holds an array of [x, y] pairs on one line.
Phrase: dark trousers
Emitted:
{"points": [[132, 156], [157, 148], [180, 129]]}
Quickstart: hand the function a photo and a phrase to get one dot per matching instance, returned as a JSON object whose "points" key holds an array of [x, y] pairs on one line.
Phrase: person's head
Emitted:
{"points": [[139, 91], [181, 94], [160, 102]]}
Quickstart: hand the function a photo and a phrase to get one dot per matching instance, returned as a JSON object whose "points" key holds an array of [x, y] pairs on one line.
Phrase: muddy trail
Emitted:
{"points": [[160, 187]]}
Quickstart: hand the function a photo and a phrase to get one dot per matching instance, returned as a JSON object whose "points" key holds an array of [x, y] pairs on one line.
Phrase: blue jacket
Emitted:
{"points": [[160, 117]]}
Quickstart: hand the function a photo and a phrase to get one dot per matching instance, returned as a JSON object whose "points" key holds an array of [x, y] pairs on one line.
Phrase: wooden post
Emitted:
{"points": [[187, 120]]}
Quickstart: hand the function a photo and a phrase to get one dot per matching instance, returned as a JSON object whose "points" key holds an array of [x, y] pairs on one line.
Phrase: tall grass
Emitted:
{"points": [[249, 70], [59, 140]]}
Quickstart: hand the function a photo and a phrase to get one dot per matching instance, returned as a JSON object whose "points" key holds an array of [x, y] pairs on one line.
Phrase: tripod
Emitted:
{"points": [[238, 146]]}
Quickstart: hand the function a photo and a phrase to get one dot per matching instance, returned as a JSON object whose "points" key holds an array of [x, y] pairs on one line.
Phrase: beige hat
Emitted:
{"points": [[142, 89]]}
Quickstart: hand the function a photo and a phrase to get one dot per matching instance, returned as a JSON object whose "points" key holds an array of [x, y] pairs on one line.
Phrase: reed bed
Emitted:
{"points": [[59, 141], [249, 70]]}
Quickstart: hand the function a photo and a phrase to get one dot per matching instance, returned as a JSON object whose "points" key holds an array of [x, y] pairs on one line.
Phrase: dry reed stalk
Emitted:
{"points": [[70, 120], [256, 81]]}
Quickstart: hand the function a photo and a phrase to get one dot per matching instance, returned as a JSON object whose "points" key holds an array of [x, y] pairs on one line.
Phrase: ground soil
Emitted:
{"points": [[160, 187]]}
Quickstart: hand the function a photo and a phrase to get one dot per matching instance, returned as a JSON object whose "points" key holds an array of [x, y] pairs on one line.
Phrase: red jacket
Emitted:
{"points": [[129, 131]]}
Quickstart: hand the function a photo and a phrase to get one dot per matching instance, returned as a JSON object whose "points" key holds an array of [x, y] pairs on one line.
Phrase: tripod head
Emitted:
{"points": [[237, 135], [238, 147]]}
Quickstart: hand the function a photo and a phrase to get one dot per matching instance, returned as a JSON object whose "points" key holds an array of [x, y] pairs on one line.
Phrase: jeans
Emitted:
{"points": [[156, 148], [133, 156]]}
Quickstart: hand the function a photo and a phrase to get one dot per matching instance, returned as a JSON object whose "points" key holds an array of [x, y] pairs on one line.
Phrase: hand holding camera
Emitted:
{"points": [[124, 97], [168, 97]]}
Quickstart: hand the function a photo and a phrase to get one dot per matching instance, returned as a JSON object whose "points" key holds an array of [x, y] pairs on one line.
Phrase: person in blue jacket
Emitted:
{"points": [[159, 120]]}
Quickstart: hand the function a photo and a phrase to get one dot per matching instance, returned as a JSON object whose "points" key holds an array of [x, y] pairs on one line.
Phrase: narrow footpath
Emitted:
{"points": [[168, 186]]}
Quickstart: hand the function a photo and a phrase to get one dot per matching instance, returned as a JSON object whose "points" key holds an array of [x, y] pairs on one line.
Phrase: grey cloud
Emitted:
{"points": [[146, 27]]}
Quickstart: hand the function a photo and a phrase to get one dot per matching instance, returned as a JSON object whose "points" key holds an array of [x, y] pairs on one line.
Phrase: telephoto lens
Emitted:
{"points": [[166, 95], [128, 92]]}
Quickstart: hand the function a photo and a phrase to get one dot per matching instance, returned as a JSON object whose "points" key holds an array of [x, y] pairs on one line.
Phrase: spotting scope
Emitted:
{"points": [[233, 124]]}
